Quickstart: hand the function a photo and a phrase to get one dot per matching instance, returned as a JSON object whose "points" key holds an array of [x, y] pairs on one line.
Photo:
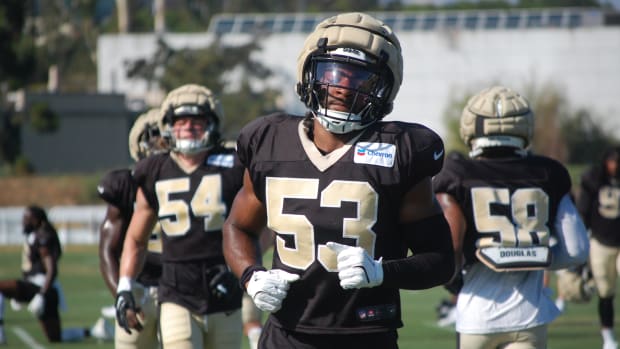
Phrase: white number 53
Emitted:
{"points": [[305, 250]]}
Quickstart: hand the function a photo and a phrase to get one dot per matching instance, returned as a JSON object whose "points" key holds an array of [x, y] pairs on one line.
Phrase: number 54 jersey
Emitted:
{"points": [[352, 196], [191, 205]]}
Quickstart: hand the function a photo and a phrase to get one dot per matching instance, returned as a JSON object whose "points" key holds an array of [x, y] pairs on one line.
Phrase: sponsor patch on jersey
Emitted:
{"points": [[221, 160], [379, 154]]}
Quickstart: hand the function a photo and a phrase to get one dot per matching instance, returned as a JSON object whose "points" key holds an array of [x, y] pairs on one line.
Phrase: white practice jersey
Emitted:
{"points": [[492, 302]]}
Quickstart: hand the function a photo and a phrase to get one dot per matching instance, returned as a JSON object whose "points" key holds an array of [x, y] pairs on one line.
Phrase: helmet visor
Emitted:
{"points": [[346, 75]]}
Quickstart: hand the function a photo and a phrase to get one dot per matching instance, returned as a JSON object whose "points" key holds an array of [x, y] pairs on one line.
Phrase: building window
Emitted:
{"points": [[224, 26], [471, 22], [491, 22]]}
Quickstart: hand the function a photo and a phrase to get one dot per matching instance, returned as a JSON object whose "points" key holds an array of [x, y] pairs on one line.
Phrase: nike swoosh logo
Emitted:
{"points": [[436, 155]]}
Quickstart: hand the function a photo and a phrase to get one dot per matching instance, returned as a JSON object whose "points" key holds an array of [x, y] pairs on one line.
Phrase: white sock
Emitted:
{"points": [[253, 336], [608, 335], [74, 334]]}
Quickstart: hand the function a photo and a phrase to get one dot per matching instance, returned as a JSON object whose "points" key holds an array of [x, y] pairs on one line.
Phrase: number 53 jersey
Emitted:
{"points": [[351, 196]]}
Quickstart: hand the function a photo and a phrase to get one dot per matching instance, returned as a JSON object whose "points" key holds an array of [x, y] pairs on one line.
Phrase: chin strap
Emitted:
{"points": [[339, 122]]}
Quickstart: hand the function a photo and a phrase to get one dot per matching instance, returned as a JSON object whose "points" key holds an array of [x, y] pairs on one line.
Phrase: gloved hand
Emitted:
{"points": [[356, 269], [269, 288], [16, 305], [37, 305], [223, 284], [125, 303], [126, 308]]}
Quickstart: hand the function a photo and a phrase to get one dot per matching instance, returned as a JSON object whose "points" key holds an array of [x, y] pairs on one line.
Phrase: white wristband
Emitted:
{"points": [[124, 284]]}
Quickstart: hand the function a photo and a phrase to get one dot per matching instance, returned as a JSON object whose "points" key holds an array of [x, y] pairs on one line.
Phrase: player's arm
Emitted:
{"points": [[458, 225], [132, 262], [110, 246], [572, 245], [241, 232], [136, 240], [51, 268], [37, 304], [428, 236], [584, 200], [242, 229]]}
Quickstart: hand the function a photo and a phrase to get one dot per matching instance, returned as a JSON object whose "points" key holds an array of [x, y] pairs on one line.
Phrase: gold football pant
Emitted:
{"points": [[181, 329]]}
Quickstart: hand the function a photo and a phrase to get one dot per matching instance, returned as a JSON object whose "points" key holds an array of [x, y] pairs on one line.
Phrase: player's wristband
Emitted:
{"points": [[124, 284], [247, 274]]}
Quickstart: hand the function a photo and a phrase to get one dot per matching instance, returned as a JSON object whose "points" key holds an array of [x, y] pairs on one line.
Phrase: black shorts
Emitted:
{"points": [[274, 337], [27, 290]]}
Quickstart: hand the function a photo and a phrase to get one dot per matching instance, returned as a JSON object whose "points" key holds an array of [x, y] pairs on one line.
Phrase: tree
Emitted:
{"points": [[17, 54], [586, 139], [229, 71], [17, 62], [566, 134]]}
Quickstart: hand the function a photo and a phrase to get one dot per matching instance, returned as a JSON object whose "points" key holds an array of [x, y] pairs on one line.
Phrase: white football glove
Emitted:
{"points": [[16, 305], [269, 288], [356, 269], [37, 305]]}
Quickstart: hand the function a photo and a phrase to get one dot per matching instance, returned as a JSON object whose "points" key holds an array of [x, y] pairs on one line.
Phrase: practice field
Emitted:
{"points": [[86, 293]]}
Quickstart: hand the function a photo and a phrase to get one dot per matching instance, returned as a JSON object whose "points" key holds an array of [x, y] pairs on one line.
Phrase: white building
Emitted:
{"points": [[447, 55]]}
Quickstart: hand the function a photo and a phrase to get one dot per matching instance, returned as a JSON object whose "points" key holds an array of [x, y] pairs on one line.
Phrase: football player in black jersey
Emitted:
{"points": [[189, 192], [346, 194], [599, 205], [504, 205], [38, 286], [118, 189]]}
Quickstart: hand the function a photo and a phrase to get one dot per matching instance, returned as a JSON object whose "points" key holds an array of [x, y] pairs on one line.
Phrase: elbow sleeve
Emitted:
{"points": [[432, 262]]}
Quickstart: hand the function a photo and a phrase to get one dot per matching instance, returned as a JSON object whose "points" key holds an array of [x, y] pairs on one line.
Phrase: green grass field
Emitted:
{"points": [[84, 289]]}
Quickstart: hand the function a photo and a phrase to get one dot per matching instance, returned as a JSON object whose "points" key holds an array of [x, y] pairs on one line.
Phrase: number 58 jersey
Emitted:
{"points": [[352, 196], [508, 203]]}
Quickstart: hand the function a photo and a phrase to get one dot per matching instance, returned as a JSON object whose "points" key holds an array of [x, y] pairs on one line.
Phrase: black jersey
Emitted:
{"points": [[599, 205], [32, 262], [519, 194], [191, 208], [118, 189], [350, 196]]}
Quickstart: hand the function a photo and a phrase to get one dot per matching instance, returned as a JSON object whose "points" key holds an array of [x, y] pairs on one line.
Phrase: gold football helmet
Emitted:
{"points": [[145, 136], [355, 52], [191, 100], [496, 117]]}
